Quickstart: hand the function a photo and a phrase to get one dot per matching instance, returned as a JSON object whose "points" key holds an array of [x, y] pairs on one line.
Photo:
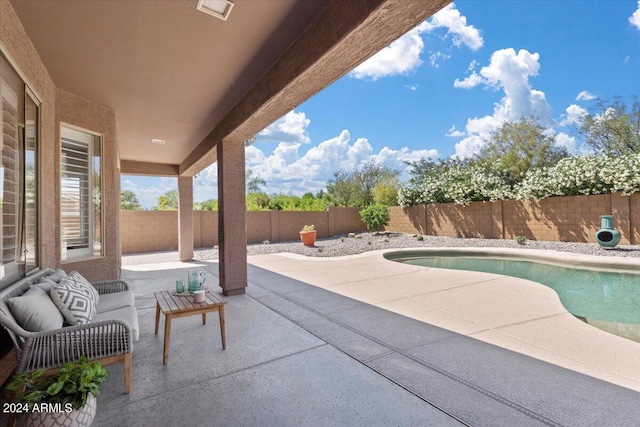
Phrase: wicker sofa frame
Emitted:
{"points": [[109, 342]]}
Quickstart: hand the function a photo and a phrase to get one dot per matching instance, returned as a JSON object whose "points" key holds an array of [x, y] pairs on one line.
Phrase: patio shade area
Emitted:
{"points": [[298, 354]]}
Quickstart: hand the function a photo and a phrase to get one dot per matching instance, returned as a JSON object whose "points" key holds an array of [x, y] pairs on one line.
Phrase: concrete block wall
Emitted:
{"points": [[411, 220], [150, 231], [565, 219], [448, 219]]}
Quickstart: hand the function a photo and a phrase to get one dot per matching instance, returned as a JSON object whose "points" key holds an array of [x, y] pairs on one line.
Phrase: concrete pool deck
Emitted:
{"points": [[300, 353], [511, 313]]}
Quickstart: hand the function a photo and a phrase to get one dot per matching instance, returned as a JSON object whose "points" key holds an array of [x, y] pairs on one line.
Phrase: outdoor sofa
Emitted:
{"points": [[38, 313]]}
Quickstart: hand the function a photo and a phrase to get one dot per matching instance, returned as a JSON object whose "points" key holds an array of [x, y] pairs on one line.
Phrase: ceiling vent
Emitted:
{"points": [[218, 8]]}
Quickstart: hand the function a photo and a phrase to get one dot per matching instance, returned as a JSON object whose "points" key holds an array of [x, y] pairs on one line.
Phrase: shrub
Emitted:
{"points": [[572, 176], [375, 216]]}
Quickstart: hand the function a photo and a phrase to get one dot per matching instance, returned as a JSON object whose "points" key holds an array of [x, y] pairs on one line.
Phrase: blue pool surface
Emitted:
{"points": [[594, 296]]}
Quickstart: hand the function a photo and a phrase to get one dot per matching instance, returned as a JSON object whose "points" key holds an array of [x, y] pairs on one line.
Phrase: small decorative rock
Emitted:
{"points": [[383, 240], [359, 236], [414, 235], [352, 235]]}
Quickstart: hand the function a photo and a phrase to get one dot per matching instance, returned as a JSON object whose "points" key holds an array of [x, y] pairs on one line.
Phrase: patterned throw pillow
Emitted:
{"points": [[76, 302], [79, 280]]}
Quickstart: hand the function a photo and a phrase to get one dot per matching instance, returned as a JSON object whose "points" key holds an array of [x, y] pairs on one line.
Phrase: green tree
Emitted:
{"points": [[129, 201], [168, 201], [257, 201], [355, 187], [209, 205], [614, 129], [386, 192], [342, 188], [516, 147], [254, 182], [425, 170]]}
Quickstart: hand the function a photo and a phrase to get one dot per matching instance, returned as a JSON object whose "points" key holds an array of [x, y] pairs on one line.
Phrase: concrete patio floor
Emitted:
{"points": [[364, 341]]}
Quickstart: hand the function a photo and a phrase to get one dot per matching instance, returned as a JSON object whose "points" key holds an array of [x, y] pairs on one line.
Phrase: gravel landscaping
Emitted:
{"points": [[363, 242]]}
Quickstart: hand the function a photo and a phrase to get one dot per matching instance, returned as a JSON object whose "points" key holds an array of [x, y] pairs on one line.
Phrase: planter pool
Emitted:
{"points": [[608, 300]]}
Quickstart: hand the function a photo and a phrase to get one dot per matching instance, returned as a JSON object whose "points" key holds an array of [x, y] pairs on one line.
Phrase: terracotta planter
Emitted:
{"points": [[82, 417], [308, 237]]}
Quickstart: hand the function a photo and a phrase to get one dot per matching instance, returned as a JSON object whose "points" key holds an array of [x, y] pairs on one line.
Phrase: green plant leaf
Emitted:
{"points": [[55, 388]]}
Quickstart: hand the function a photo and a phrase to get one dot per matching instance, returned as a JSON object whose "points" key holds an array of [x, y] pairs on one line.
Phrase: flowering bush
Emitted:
{"points": [[582, 175], [579, 175], [458, 184]]}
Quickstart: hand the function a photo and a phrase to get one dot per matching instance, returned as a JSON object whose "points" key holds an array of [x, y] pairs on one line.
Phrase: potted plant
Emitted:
{"points": [[308, 235], [67, 398]]}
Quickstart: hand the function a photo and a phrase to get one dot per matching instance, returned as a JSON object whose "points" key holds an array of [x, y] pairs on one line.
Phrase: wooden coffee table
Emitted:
{"points": [[174, 306]]}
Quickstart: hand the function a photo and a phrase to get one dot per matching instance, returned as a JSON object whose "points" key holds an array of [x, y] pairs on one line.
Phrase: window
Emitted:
{"points": [[19, 136], [81, 194]]}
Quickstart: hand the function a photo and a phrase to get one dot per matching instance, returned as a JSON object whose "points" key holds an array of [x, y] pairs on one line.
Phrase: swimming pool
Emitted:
{"points": [[608, 300]]}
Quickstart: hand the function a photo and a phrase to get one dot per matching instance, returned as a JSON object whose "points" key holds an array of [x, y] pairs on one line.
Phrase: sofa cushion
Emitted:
{"points": [[45, 284], [76, 302], [115, 300], [57, 275], [35, 311], [127, 314]]}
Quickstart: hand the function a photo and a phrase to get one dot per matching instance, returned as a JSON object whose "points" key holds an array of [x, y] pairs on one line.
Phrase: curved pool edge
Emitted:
{"points": [[547, 256]]}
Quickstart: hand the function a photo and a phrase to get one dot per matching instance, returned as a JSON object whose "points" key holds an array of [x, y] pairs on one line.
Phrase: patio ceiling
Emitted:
{"points": [[169, 71], [173, 73]]}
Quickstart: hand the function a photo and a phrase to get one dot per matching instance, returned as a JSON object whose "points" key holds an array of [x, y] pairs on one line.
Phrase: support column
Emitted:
{"points": [[232, 232], [185, 218]]}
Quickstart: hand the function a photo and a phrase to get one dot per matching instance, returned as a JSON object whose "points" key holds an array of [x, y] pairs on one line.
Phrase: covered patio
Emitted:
{"points": [[299, 353]]}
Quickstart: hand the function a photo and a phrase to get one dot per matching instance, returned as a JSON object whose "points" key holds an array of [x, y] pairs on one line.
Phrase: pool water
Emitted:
{"points": [[604, 299]]}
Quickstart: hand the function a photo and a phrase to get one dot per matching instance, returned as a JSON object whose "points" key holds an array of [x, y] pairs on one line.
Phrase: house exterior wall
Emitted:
{"points": [[76, 111], [19, 50], [563, 219], [58, 105]]}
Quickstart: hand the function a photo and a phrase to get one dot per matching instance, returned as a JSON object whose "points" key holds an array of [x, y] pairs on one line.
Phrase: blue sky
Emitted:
{"points": [[441, 89]]}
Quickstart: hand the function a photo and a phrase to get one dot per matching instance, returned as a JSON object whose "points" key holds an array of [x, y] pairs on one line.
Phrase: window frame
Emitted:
{"points": [[37, 100], [100, 136]]}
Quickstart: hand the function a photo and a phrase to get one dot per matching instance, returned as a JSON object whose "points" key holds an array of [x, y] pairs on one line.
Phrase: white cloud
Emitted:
{"points": [[292, 127], [403, 55], [435, 57], [205, 184], [565, 141], [469, 146], [454, 133], [456, 25], [399, 58], [288, 169], [396, 158], [585, 95], [509, 72], [635, 18], [472, 65], [470, 81], [574, 115]]}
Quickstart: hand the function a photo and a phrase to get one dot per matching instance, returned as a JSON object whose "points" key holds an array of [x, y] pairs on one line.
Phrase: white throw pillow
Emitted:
{"points": [[57, 275], [35, 311]]}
